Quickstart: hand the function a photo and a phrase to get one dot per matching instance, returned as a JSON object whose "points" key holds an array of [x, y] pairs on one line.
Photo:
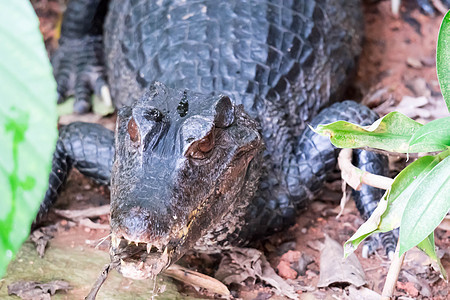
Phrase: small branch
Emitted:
{"points": [[392, 276], [91, 212], [356, 177], [88, 223], [197, 279], [100, 280]]}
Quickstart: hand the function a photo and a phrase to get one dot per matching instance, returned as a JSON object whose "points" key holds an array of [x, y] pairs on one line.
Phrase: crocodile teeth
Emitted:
{"points": [[166, 250], [115, 241], [136, 243], [129, 242], [106, 95], [149, 248], [122, 262], [140, 265]]}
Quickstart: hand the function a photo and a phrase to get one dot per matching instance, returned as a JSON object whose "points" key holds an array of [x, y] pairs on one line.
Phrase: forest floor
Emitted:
{"points": [[396, 72]]}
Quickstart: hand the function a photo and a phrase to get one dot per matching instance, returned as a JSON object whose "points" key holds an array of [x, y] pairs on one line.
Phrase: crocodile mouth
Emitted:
{"points": [[139, 260]]}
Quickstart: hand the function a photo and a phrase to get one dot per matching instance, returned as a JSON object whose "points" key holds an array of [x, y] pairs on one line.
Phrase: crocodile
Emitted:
{"points": [[212, 146]]}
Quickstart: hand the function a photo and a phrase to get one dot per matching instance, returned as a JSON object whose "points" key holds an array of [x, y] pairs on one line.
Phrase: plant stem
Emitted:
{"points": [[356, 177], [392, 276]]}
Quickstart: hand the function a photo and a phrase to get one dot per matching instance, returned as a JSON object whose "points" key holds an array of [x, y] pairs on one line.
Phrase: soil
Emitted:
{"points": [[398, 60]]}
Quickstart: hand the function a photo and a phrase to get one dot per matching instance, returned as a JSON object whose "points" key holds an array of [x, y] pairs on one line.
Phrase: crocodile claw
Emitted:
{"points": [[79, 71], [429, 7], [386, 240]]}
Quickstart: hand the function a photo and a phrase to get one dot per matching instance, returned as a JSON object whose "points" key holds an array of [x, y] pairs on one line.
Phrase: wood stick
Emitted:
{"points": [[392, 275], [100, 280], [197, 279], [84, 213]]}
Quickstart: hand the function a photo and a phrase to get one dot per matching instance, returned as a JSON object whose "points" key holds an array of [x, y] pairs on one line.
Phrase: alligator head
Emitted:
{"points": [[181, 161]]}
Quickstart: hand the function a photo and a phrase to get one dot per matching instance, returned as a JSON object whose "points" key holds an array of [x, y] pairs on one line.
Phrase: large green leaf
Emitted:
{"points": [[27, 123], [392, 133], [443, 58], [389, 211], [403, 187], [433, 136], [428, 204]]}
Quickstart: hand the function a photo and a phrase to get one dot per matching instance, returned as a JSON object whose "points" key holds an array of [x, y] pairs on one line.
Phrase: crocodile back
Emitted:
{"points": [[280, 58]]}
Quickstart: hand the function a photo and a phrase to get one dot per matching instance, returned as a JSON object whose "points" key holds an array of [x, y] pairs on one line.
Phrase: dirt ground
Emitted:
{"points": [[397, 72]]}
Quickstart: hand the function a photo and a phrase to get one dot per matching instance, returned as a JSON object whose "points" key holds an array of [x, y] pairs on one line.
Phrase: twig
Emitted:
{"points": [[392, 275], [84, 213], [356, 177], [100, 280], [197, 279], [88, 223]]}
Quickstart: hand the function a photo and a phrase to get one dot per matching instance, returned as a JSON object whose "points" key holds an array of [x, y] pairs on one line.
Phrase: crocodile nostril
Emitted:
{"points": [[133, 131]]}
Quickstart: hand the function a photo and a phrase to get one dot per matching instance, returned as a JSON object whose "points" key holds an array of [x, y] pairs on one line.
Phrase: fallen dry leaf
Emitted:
{"points": [[240, 265], [41, 236], [335, 269], [362, 293], [417, 261], [413, 107], [419, 87], [31, 290]]}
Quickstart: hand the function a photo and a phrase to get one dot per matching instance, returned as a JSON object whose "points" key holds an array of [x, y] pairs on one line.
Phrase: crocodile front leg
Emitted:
{"points": [[85, 146], [78, 62]]}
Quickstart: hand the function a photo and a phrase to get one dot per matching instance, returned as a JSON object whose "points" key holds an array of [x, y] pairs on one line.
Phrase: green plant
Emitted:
{"points": [[27, 124], [419, 197]]}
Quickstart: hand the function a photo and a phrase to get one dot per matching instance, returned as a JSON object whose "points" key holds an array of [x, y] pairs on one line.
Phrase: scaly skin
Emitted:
{"points": [[85, 146], [183, 175]]}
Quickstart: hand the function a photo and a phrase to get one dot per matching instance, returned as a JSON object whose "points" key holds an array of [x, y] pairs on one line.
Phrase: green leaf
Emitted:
{"points": [[443, 58], [368, 228], [433, 136], [427, 206], [388, 214], [27, 124], [391, 133], [404, 185], [427, 246]]}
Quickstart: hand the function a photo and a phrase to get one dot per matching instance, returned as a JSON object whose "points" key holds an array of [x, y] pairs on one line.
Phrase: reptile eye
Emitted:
{"points": [[207, 143], [200, 148], [133, 130]]}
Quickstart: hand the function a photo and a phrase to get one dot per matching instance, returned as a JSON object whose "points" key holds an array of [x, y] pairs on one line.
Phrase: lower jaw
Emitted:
{"points": [[138, 260]]}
